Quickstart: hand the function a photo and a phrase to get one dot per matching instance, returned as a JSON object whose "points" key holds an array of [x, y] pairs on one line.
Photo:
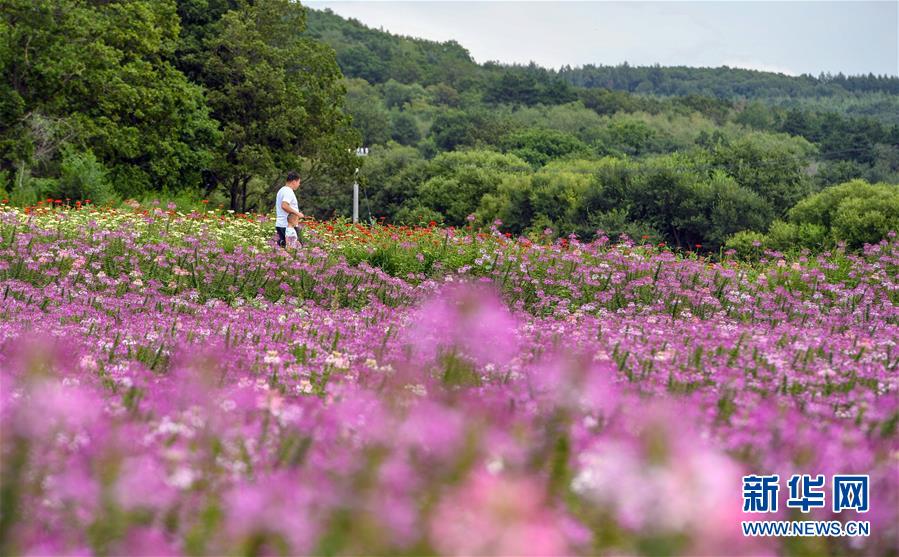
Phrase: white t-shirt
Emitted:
{"points": [[290, 232], [288, 195]]}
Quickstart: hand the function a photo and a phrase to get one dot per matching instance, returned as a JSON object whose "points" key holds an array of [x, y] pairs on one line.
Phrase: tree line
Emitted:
{"points": [[215, 99], [535, 150]]}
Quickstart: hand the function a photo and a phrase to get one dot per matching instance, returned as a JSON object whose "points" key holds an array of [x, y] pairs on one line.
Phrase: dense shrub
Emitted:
{"points": [[854, 213], [540, 146], [460, 180], [82, 176]]}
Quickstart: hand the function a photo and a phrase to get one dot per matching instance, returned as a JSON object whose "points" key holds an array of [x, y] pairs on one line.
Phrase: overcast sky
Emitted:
{"points": [[789, 37]]}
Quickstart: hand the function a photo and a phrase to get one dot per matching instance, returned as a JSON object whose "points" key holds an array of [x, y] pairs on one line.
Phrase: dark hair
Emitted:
{"points": [[292, 176]]}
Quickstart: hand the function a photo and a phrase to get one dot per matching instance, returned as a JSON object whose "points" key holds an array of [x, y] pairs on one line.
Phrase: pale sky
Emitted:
{"points": [[790, 37]]}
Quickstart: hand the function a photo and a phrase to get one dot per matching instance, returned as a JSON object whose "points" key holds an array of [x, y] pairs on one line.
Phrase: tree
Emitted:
{"points": [[95, 77], [513, 87], [444, 95], [398, 95], [457, 128], [732, 208], [358, 61], [391, 176], [459, 180], [278, 97], [539, 146], [773, 166], [606, 102], [756, 115], [632, 136], [855, 212], [405, 128], [368, 113], [510, 203]]}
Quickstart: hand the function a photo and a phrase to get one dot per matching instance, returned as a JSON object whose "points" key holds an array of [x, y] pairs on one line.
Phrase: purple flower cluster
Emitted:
{"points": [[168, 395]]}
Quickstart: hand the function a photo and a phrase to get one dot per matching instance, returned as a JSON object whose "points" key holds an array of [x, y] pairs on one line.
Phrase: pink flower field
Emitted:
{"points": [[174, 385]]}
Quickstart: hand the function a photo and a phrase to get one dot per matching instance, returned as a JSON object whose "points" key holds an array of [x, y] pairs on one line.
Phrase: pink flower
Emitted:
{"points": [[142, 484], [495, 515], [147, 542], [469, 319], [433, 429], [279, 505]]}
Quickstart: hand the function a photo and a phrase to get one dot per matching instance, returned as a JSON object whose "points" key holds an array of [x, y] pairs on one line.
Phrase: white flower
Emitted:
{"points": [[181, 478], [417, 390], [495, 465], [338, 360]]}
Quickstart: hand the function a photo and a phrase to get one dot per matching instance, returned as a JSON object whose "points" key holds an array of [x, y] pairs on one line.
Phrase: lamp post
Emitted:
{"points": [[360, 152]]}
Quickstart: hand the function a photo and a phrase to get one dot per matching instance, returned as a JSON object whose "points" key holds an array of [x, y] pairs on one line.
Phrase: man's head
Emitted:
{"points": [[293, 180]]}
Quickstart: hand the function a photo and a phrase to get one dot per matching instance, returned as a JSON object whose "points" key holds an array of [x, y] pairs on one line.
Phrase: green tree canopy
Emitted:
{"points": [[771, 165], [540, 146], [855, 212], [278, 98], [94, 76], [459, 180]]}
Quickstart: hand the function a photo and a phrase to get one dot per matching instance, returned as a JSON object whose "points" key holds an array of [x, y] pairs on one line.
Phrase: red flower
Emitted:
{"points": [[645, 236], [698, 246]]}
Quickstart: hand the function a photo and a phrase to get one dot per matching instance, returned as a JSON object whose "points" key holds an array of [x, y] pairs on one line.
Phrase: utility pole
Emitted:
{"points": [[360, 152]]}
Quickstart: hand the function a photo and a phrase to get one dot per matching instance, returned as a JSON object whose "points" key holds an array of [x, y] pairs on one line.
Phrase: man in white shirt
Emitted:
{"points": [[286, 203]]}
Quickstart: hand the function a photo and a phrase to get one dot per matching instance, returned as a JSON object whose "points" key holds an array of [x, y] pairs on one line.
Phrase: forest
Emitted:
{"points": [[214, 100]]}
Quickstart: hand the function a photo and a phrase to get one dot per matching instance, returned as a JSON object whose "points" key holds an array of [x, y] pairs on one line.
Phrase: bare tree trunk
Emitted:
{"points": [[233, 191], [243, 195]]}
